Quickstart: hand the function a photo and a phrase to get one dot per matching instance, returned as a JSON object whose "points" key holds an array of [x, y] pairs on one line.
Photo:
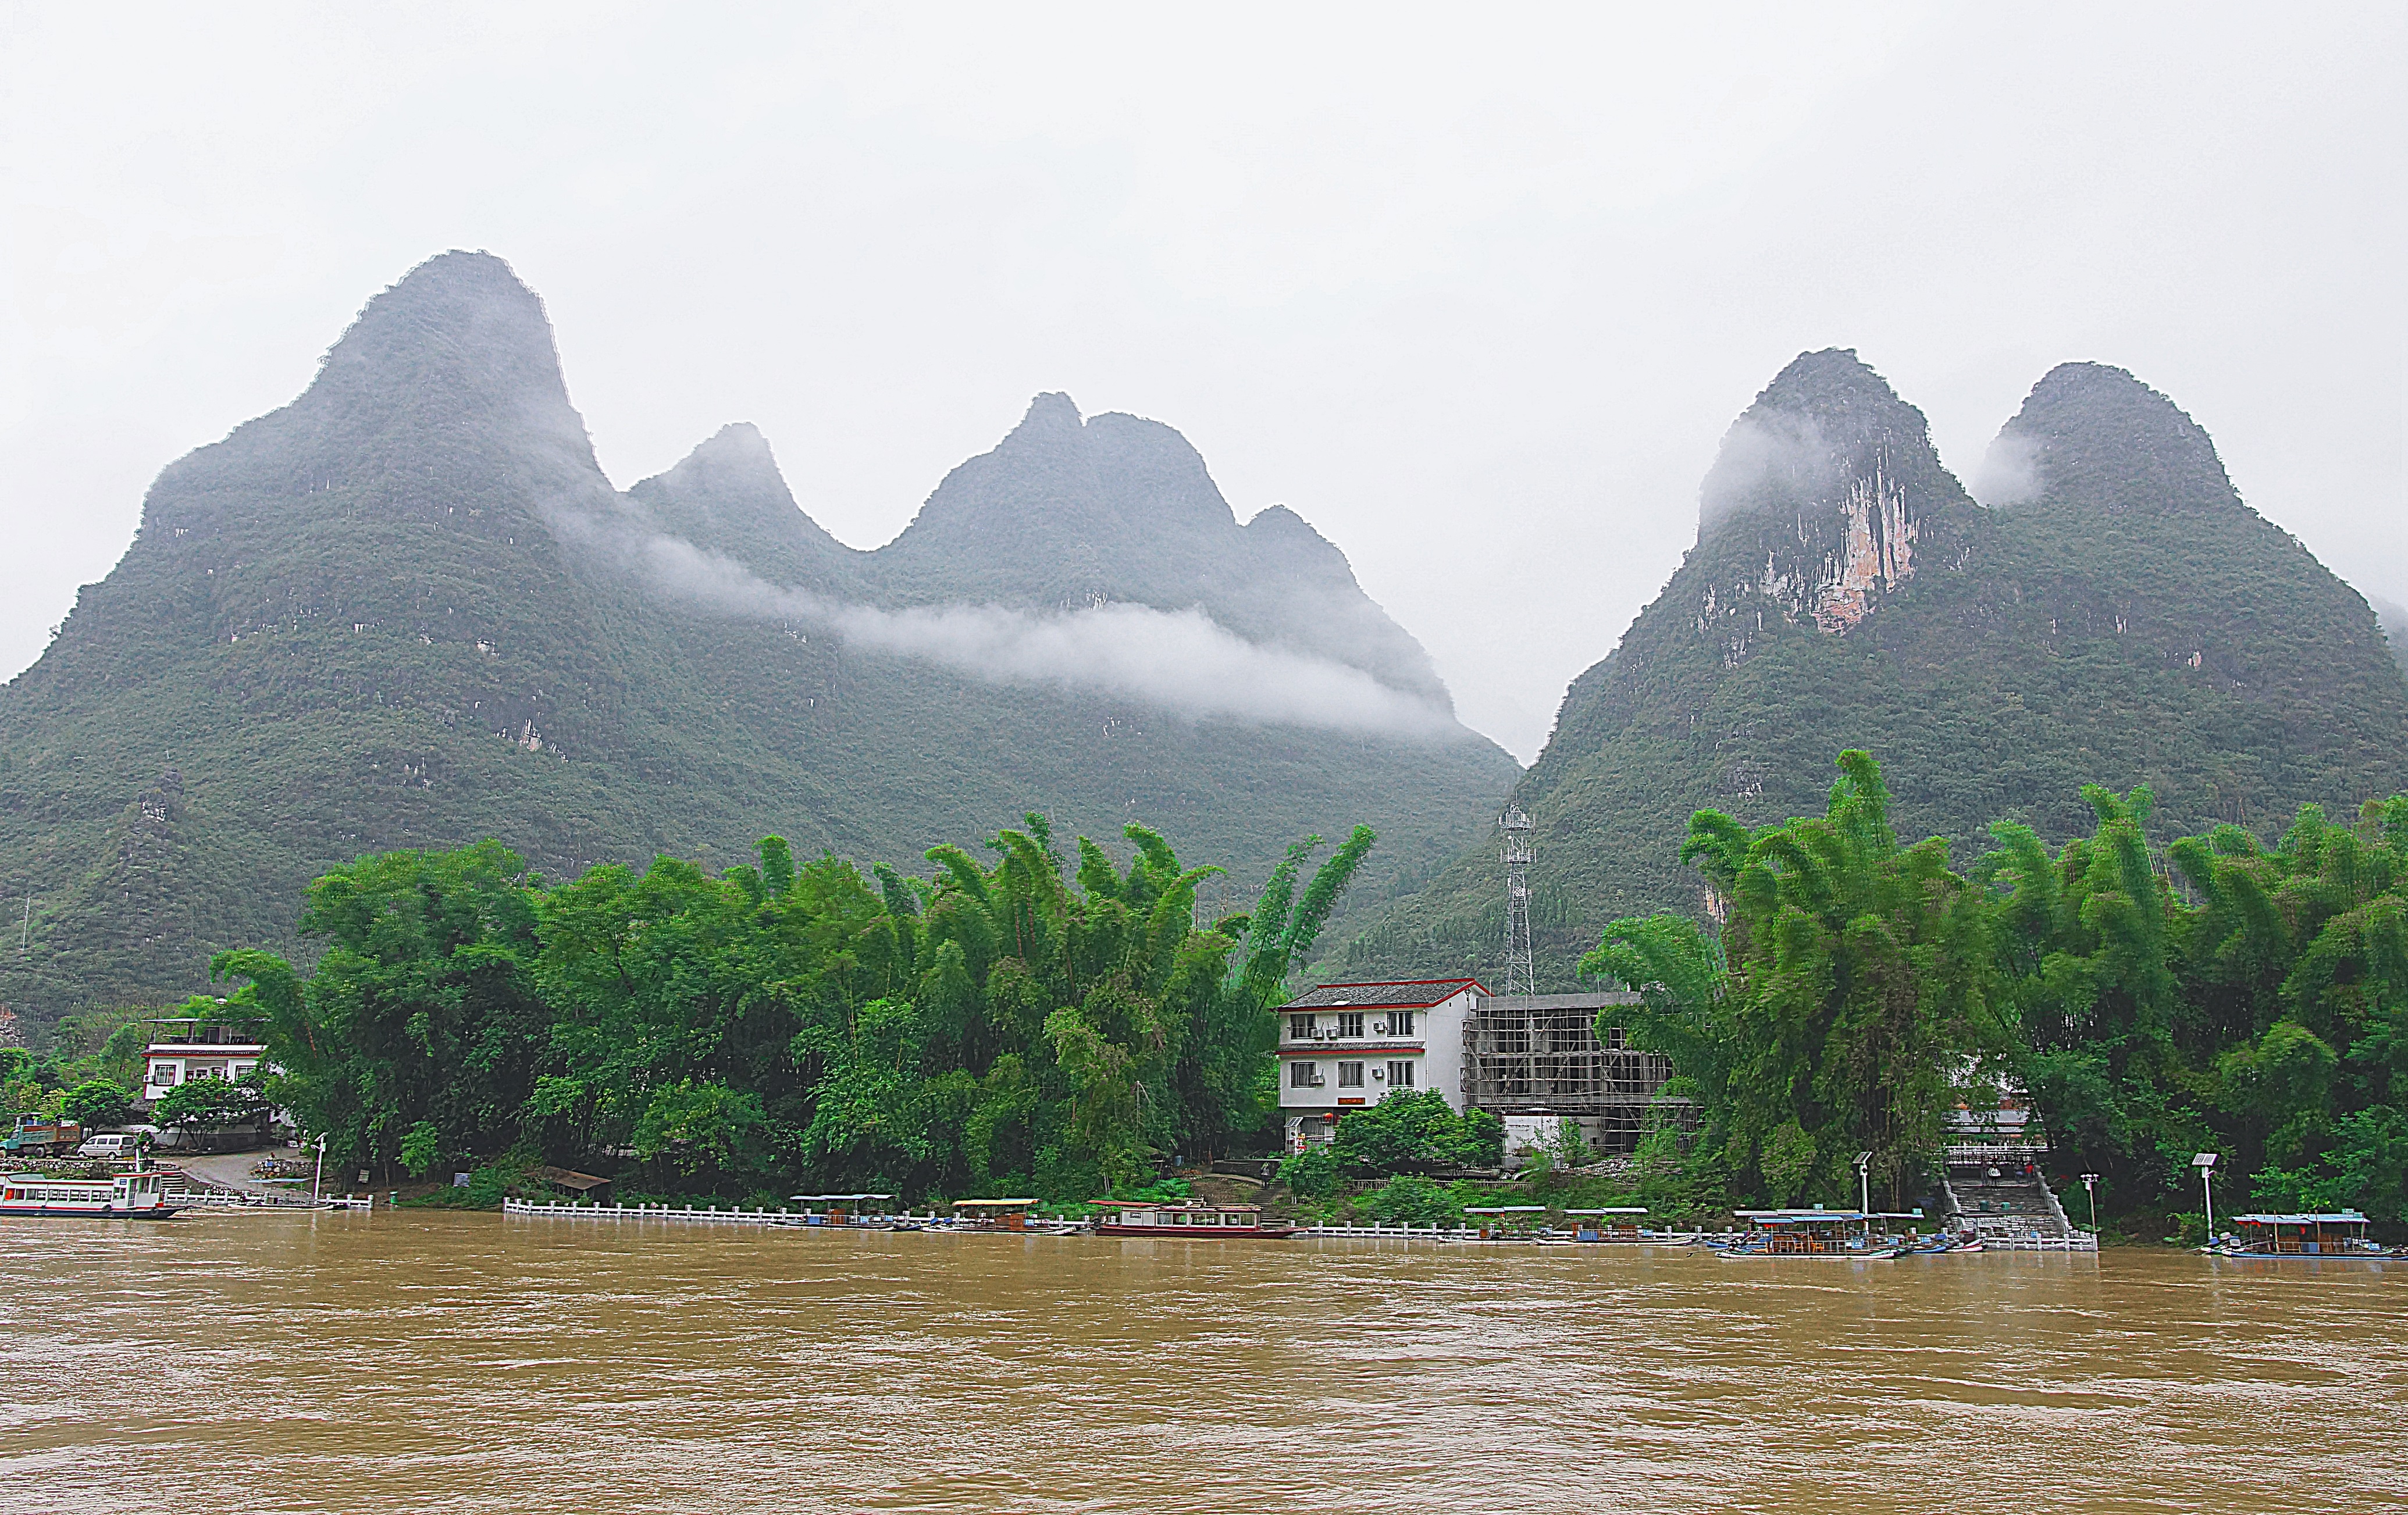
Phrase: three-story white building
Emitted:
{"points": [[1348, 1046], [184, 1049]]}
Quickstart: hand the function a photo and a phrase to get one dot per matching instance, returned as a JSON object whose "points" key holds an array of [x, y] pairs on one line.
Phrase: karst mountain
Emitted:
{"points": [[2116, 615], [408, 610]]}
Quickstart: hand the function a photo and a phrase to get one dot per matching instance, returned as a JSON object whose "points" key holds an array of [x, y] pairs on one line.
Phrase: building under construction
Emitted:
{"points": [[1540, 1056]]}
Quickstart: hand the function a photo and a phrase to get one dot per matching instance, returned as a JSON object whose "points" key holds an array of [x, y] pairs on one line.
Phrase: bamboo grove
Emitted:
{"points": [[2217, 994], [1027, 1023]]}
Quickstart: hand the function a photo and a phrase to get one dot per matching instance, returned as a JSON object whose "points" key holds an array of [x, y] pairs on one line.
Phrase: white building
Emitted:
{"points": [[1344, 1045], [181, 1051]]}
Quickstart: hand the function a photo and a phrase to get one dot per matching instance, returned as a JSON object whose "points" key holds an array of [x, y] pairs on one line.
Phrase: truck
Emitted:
{"points": [[42, 1135]]}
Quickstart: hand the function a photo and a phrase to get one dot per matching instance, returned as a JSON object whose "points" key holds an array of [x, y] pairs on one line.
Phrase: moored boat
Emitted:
{"points": [[2309, 1234], [1193, 1221], [128, 1195], [1827, 1235]]}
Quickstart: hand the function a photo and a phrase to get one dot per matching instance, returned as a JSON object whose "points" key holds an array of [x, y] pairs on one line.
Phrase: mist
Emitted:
{"points": [[1182, 662], [2009, 473], [1776, 457]]}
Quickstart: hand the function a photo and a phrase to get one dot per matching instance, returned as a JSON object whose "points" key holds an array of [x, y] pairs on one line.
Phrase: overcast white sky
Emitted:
{"points": [[1476, 290]]}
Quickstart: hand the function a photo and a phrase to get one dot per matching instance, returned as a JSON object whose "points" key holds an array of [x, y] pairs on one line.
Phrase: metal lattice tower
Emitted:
{"points": [[1521, 978]]}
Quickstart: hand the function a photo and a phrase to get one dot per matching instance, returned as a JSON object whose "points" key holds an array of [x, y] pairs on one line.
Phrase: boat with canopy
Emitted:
{"points": [[1841, 1234]]}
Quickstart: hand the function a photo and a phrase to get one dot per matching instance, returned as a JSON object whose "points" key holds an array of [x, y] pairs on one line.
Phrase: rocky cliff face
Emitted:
{"points": [[1830, 479], [2120, 618]]}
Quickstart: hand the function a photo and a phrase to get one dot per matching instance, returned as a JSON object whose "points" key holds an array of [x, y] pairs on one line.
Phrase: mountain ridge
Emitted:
{"points": [[2126, 620], [398, 611]]}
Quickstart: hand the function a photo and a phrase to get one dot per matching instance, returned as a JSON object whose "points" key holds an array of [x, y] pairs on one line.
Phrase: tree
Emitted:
{"points": [[1854, 986], [421, 1007], [96, 1102], [209, 1102]]}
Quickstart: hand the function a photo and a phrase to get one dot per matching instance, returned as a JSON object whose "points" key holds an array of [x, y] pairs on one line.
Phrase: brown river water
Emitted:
{"points": [[473, 1363]]}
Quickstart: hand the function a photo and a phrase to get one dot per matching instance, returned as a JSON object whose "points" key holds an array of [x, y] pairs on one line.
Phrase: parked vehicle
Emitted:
{"points": [[111, 1144], [42, 1135]]}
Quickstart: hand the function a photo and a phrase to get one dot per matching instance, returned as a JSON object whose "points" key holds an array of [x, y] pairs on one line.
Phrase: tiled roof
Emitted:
{"points": [[1418, 995]]}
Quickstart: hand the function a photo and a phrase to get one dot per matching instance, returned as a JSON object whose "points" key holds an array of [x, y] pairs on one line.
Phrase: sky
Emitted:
{"points": [[1476, 290]]}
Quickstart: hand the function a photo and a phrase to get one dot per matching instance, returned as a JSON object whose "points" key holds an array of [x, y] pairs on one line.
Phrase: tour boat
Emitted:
{"points": [[1820, 1234], [2315, 1234], [1612, 1222], [1194, 1221], [135, 1196]]}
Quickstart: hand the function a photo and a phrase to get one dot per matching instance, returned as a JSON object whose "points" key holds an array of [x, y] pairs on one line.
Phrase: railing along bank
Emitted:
{"points": [[576, 1210], [231, 1199]]}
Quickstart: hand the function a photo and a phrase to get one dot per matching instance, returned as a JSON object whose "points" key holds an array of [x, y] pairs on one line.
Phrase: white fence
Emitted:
{"points": [[2032, 1241], [230, 1199], [1399, 1233], [573, 1211]]}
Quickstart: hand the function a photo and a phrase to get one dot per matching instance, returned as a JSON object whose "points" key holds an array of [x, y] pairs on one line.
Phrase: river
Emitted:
{"points": [[473, 1363]]}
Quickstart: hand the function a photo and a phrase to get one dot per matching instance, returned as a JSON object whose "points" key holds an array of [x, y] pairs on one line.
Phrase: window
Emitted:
{"points": [[1351, 1024], [1400, 1074], [1299, 1027], [1299, 1074], [1349, 1075], [164, 1074], [1402, 1022]]}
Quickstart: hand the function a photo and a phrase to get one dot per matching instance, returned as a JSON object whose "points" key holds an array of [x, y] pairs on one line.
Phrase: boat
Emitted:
{"points": [[995, 1215], [1607, 1225], [2309, 1234], [1191, 1221], [1817, 1234], [849, 1209], [129, 1195], [1934, 1245]]}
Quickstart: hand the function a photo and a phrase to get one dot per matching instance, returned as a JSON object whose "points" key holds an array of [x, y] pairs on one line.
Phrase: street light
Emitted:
{"points": [[317, 1178], [1864, 1180], [2090, 1181], [2205, 1163]]}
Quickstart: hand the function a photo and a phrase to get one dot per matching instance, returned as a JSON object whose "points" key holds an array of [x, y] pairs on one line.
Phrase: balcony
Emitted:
{"points": [[1349, 1033]]}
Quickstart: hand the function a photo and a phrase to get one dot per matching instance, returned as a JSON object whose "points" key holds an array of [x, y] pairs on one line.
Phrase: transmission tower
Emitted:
{"points": [[1519, 977]]}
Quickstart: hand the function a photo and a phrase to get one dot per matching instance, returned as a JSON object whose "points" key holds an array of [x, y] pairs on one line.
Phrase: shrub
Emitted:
{"points": [[1411, 1200], [1310, 1174]]}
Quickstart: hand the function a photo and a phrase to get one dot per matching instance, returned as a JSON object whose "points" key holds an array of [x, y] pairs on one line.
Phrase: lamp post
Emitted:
{"points": [[2205, 1163], [1865, 1184], [2090, 1182], [320, 1176]]}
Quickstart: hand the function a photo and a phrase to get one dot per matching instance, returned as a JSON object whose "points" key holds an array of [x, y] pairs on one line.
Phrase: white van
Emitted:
{"points": [[111, 1144]]}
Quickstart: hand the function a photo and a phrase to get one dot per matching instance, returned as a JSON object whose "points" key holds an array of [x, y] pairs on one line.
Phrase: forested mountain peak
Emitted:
{"points": [[457, 336], [1064, 513], [1072, 505], [1828, 433], [2094, 433], [727, 496], [1825, 497]]}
